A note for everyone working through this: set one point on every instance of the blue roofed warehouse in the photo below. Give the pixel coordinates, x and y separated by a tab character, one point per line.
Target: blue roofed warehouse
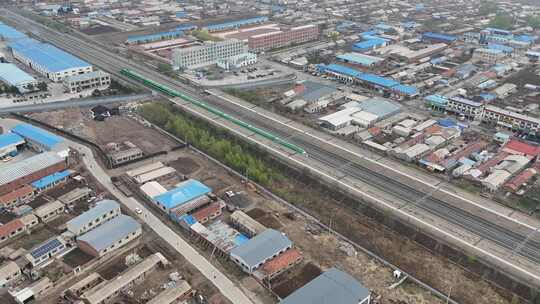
37	138
183	194
47	59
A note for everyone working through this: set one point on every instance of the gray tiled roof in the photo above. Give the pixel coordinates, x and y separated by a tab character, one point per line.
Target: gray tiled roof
331	287
102	207
110	232
261	247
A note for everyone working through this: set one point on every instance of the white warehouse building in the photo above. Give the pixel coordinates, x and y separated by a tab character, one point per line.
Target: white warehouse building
207	54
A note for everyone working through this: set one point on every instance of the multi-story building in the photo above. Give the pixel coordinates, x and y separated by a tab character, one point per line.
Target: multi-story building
9	272
510	120
92	80
238	61
49	211
295	35
207	54
490	56
462	106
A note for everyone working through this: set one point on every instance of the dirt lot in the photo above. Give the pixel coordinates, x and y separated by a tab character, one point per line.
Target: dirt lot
114	129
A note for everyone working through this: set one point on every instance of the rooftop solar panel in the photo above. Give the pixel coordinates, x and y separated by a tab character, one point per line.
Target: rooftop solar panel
45	248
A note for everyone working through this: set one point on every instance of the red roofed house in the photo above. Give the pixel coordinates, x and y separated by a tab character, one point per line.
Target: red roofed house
17	196
11	229
205	214
517	181
521	148
278	265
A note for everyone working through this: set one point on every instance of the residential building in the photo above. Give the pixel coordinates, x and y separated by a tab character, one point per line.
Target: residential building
505	90
92	80
237	61
11	229
263	247
106	291
9	273
29	221
332	286
34	292
207	54
181	291
46	251
11	75
124	156
104	211
462	106
83	285
163	172
109	236
48	60
246	223
209	212
486	55
17	197
50	181
278	39
49	211
75	195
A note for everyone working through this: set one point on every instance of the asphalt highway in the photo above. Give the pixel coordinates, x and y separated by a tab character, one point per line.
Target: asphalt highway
501	233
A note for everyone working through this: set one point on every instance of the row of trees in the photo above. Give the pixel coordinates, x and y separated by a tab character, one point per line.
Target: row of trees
235	154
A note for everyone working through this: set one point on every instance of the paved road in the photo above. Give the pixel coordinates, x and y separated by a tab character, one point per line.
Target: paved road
225	286
86	102
498	228
214	275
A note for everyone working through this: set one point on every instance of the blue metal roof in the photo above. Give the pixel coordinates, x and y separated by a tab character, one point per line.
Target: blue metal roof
438	100
110	232
367	44
368	33
45	248
188	219
240	239
340	69
14	76
48	56
237	23
378	80
438	36
185	27
261	247
9	139
182	194
38	135
9	33
154	37
524	38
405	89
50	179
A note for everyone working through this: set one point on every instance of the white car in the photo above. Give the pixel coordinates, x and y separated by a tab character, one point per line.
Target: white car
138	210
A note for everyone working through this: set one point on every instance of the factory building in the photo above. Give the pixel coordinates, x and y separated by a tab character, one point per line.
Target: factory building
235	24
260	249
92	80
207	54
9	144
47	59
185	197
104	211
36	138
8	33
140	39
11	75
278	39
109	236
438	38
22	173
332	284
359	59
